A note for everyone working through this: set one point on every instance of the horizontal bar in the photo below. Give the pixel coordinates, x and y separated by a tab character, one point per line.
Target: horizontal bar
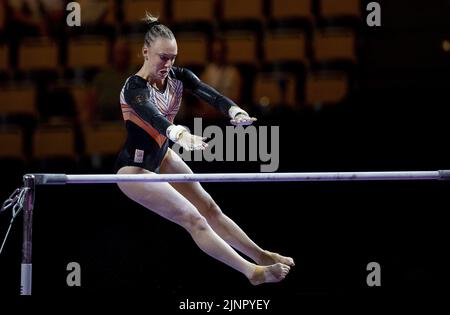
60	179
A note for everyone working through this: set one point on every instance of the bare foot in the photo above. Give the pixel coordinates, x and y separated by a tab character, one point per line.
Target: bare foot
268	258
272	273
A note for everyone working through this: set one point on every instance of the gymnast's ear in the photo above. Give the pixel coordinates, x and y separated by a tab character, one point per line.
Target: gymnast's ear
145	52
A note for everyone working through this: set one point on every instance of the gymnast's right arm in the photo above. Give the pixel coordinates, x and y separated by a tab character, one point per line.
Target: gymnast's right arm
137	96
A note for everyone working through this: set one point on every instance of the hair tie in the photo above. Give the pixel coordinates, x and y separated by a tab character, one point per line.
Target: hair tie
154	23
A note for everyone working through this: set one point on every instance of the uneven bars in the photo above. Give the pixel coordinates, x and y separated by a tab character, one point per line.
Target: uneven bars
31	180
61	179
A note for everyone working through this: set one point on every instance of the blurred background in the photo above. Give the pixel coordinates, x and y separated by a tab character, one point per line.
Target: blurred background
347	97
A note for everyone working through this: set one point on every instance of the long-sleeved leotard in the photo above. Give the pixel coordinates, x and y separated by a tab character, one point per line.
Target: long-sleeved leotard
148	113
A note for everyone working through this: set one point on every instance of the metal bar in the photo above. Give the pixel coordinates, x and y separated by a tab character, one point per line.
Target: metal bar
26	266
60	179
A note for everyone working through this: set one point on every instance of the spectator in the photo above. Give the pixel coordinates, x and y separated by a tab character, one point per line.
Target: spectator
55	103
103	99
55	17
222	76
25	18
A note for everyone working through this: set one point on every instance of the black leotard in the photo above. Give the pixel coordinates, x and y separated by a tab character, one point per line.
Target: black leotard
148	113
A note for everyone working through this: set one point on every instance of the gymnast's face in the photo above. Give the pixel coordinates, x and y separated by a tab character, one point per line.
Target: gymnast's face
160	57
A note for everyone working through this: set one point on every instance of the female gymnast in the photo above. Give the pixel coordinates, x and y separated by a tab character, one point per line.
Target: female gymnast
150	99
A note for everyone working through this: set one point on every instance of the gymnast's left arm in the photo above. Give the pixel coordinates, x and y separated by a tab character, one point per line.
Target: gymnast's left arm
239	117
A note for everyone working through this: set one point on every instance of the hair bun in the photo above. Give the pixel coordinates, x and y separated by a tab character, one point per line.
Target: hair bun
154	23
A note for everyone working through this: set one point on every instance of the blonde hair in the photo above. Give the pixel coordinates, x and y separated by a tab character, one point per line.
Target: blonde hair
155	30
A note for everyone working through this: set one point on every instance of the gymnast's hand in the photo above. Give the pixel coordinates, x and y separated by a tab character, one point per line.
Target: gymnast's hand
184	138
242	119
191	142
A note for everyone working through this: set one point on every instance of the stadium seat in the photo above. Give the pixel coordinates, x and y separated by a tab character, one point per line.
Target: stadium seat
4	57
274	89
242	47
291	9
134	10
11	140
325	88
2	17
332	9
235	10
111	18
87	52
104	138
80	94
18	100
184	11
192	49
334	45
38	54
285	47
54	142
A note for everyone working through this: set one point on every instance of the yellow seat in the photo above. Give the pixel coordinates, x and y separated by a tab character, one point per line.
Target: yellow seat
54	142
334	45
4	57
11	141
136	43
38	54
241	47
95	11
2	17
192	49
80	94
326	88
18	100
104	138
289	9
88	52
242	10
340	8
193	11
134	10
110	18
284	47
268	90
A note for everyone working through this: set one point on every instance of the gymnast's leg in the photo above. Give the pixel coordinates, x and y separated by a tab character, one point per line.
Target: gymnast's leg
164	200
221	224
